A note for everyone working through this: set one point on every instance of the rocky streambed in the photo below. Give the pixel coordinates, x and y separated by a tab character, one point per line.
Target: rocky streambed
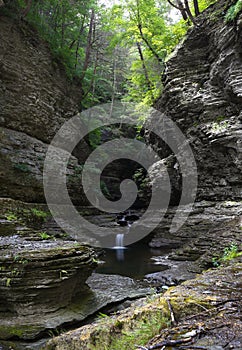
203	313
48	284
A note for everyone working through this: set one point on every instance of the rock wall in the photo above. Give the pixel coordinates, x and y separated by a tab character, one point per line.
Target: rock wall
203	95
36	98
42	276
43	272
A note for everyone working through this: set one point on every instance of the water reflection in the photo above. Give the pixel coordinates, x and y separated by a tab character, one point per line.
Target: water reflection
133	261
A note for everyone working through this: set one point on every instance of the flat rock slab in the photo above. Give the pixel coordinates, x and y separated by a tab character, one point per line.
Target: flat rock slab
114	288
204	312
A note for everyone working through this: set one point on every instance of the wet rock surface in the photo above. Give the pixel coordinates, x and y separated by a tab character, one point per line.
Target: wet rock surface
42	277
210	227
46	277
204	313
114	292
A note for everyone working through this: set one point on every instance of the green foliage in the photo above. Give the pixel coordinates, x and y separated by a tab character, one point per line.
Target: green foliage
233	11
22	167
94	138
203	5
101	315
20	260
11	217
138	334
219	126
8	282
142	181
39	213
220	118
44	235
229	253
74	31
139	176
143	28
104	189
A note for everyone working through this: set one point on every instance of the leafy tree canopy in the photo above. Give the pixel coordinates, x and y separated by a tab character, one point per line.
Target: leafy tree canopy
113	52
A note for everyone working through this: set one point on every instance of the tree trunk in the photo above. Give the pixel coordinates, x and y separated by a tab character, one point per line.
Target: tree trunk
182	9
27	8
78	40
148	83
89	45
140	27
196	8
190	15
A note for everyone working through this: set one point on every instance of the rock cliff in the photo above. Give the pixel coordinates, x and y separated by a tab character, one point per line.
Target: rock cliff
36	98
42	275
203	95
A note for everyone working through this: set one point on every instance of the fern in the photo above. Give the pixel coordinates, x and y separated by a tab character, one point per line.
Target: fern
233	11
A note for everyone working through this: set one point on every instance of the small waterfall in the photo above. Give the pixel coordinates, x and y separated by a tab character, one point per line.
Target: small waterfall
119	241
119	246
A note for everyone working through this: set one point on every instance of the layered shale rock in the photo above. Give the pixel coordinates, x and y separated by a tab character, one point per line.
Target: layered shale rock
40	286
21	168
36	98
42	277
202	313
203	96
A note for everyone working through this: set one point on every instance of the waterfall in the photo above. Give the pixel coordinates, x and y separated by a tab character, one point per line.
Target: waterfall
119	246
119	241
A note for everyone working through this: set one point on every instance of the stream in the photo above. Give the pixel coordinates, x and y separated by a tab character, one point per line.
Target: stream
133	261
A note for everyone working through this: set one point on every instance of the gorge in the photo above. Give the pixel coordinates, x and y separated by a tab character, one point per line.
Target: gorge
52	287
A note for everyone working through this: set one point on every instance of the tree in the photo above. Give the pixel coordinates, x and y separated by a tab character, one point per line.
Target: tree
142	27
184	7
109	52
74	31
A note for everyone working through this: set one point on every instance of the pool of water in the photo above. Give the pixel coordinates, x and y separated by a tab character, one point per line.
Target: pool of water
134	261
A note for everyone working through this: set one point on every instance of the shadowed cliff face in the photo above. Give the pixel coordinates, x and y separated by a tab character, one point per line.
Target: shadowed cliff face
41	279
203	95
36	98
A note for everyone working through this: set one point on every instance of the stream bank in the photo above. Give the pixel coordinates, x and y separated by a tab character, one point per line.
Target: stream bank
204	312
78	297
46	278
